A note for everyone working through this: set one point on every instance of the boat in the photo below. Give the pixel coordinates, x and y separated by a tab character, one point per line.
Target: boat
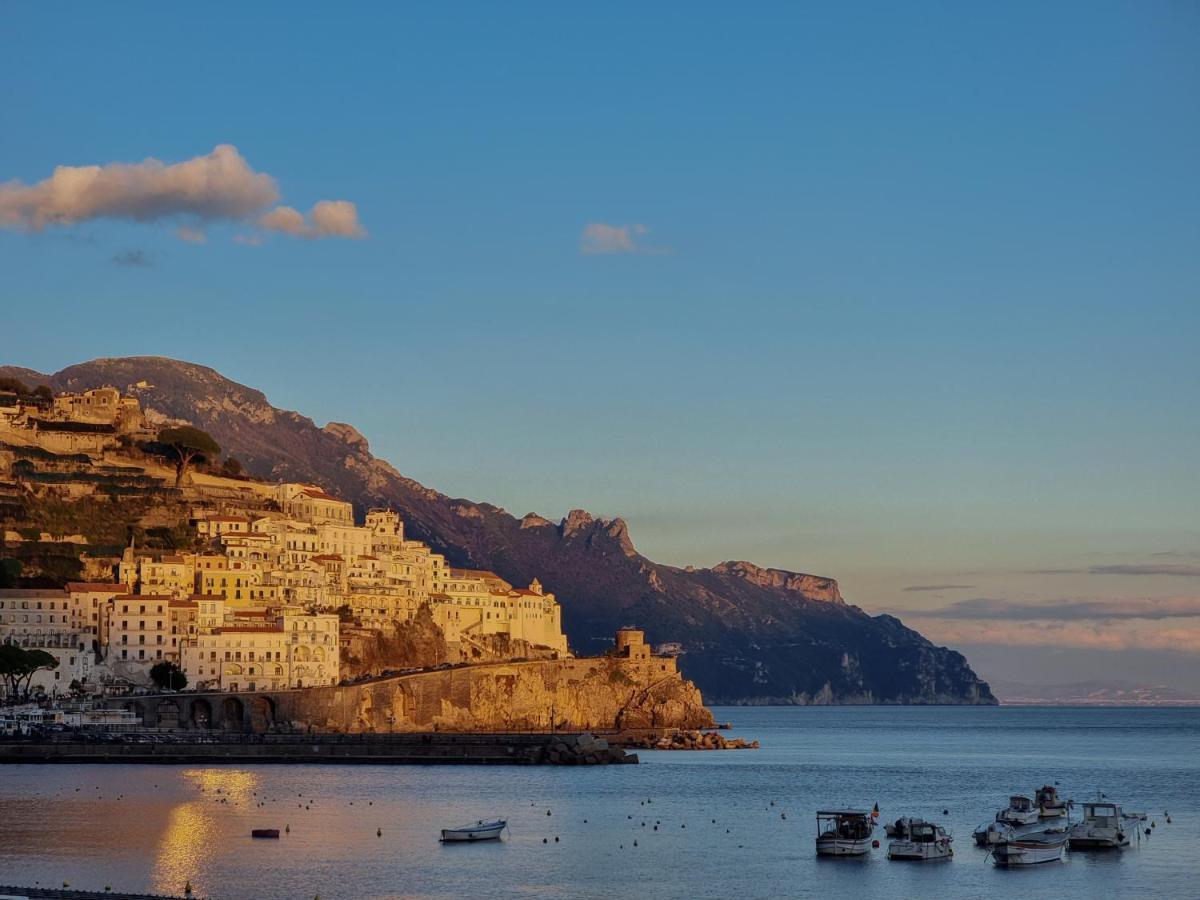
1020	811
1030	849
1102	828
264	832
479	831
897	828
844	832
919	840
1049	805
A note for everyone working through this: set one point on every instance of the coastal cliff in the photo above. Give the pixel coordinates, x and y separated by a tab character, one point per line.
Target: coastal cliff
747	634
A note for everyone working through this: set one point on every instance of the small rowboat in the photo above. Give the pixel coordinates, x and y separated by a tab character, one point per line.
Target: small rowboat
264	832
480	831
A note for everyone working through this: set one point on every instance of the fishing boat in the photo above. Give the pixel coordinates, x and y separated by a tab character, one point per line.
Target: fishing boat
1048	803
844	832
919	840
1102	828
1030	849
264	833
1020	811
479	831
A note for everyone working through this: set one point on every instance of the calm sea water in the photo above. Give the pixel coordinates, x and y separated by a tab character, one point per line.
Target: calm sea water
155	828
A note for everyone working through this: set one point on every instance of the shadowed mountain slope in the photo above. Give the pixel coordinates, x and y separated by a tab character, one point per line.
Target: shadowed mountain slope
749	634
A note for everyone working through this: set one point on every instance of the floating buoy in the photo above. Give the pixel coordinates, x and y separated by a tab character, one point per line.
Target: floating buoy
635	842
945	812
544	841
783	815
556	839
656	829
378	832
287	829
875	844
1147	832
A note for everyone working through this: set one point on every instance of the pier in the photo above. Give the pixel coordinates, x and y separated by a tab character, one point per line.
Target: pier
374	749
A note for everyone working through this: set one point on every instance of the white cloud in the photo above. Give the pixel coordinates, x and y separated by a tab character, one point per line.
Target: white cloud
328	218
599	237
220	186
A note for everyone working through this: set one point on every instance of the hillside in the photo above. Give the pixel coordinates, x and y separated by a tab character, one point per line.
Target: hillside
749	634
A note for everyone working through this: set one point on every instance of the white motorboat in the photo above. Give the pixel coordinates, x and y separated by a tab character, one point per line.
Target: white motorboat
897	828
920	840
844	832
480	831
1030	849
1020	811
1048	803
1102	828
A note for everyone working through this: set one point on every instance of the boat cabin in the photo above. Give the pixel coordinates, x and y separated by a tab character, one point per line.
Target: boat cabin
846	824
1105	815
1020	804
922	832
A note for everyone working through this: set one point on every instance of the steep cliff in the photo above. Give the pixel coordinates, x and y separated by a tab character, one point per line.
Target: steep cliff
749	634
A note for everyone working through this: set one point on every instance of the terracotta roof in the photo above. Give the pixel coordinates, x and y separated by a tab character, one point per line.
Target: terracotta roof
84	587
318	494
144	597
196	598
226	519
250	629
190	604
327	557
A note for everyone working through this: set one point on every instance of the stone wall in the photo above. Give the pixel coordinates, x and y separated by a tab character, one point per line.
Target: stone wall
596	694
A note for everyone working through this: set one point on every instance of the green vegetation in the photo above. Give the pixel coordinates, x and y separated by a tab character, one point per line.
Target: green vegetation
168	676
10	572
18	666
186	445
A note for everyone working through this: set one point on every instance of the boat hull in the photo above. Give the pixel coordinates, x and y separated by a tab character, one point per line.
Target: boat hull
908	851
485	831
1028	852
1098	840
843	846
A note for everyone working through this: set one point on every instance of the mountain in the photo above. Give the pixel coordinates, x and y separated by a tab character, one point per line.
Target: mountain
748	634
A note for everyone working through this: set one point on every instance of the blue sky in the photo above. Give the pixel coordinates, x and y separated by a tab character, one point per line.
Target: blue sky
914	300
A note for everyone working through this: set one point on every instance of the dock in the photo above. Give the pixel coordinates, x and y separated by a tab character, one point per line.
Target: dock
436	748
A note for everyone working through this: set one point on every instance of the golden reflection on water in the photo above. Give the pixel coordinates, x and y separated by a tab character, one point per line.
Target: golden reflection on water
188	840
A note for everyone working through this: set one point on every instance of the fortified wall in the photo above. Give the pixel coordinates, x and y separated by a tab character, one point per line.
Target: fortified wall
618	692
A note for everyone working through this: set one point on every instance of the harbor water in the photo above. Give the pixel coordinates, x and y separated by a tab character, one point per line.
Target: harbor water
682	824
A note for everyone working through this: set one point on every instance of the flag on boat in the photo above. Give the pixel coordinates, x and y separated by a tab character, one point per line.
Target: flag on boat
875	812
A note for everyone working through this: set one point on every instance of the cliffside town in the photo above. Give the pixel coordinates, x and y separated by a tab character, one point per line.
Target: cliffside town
743	633
244	585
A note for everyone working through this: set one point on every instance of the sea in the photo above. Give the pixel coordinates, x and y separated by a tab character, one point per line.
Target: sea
720	824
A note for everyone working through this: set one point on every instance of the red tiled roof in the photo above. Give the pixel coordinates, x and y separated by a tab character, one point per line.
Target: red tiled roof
327	557
85	587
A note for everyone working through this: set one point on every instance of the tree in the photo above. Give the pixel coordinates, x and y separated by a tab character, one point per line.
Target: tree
10	572
18	666
187	445
168	676
232	467
43	392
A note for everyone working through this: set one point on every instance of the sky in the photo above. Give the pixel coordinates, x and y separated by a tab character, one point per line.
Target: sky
903	294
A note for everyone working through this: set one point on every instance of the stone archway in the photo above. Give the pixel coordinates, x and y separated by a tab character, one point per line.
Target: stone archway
202	714
262	714
167	714
138	709
233	714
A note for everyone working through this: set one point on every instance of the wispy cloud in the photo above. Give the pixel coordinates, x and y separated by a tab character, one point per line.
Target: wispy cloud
137	259
1157	623
1182	571
1070	610
601	238
915	588
219	186
191	235
329	218
1111	635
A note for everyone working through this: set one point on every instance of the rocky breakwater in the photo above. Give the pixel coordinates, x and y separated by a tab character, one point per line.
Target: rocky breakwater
586	750
683	740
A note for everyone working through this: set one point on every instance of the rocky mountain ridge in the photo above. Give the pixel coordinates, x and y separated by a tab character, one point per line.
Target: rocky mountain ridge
749	634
